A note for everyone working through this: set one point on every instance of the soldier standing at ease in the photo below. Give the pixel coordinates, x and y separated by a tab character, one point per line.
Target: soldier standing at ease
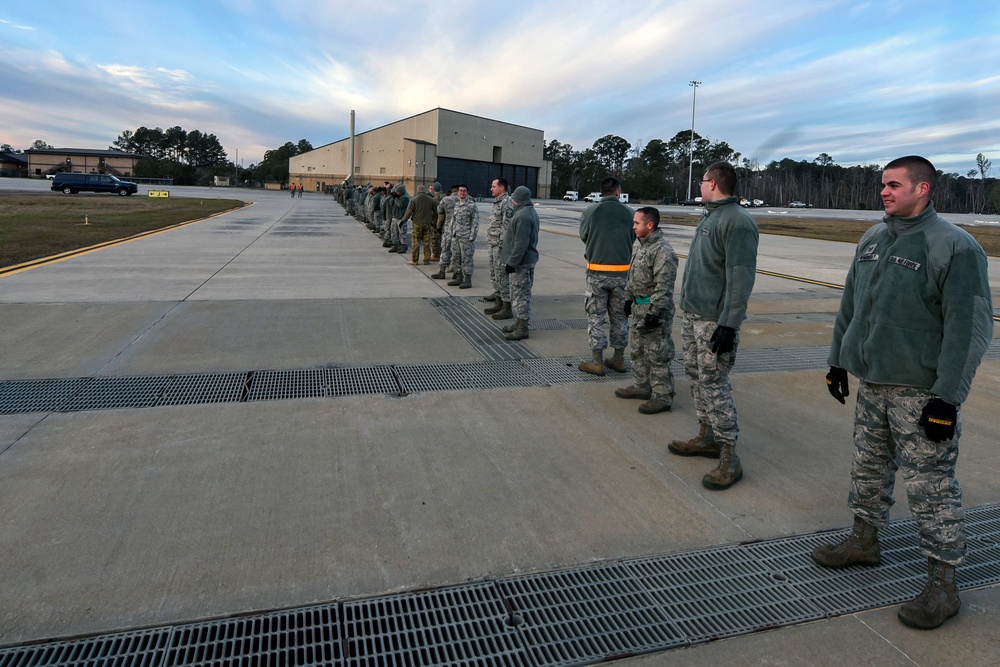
423	211
446	225
915	319
519	256
503	209
607	230
397	233
466	228
718	279
649	304
437	195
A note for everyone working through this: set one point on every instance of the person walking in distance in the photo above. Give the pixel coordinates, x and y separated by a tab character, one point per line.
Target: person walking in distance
915	319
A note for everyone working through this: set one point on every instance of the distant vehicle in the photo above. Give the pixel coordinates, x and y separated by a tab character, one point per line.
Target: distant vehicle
758	202
592	197
50	176
799	204
571	195
691	202
745	202
70	184
623	197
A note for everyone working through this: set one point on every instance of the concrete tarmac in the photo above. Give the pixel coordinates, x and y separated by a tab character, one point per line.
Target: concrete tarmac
128	518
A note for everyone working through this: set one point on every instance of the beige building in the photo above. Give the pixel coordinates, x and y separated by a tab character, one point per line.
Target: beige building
437	145
44	162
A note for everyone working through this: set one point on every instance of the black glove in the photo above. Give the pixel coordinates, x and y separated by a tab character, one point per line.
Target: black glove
836	382
938	419
628	308
651	321
509	269
723	340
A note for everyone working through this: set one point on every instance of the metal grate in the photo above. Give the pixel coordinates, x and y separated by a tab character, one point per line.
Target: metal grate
586	615
371	380
461	625
104	393
204	388
37	395
443	377
278	385
574	616
482	333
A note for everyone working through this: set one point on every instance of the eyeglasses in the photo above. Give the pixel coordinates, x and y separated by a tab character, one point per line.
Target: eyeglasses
707	180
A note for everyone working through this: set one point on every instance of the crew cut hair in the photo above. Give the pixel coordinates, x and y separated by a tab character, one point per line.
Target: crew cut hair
919	168
724	175
650	214
609	185
502	182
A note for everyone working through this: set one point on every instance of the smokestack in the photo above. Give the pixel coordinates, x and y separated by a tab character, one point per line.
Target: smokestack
351	175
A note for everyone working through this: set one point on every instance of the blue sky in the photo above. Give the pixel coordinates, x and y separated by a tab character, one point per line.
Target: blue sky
862	81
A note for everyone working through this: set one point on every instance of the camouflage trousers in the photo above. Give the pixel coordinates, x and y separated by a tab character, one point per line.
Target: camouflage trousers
652	351
604	301
886	438
446	255
501	283
520	291
462	251
421	233
397	233
709	375
378	221
436	238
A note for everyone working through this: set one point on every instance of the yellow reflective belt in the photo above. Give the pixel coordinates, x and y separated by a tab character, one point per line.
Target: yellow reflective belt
607	267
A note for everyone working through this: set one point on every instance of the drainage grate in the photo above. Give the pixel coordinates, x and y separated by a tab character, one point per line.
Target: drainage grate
279	385
586	615
37	395
574	616
482	333
372	380
444	377
461	625
204	388
104	393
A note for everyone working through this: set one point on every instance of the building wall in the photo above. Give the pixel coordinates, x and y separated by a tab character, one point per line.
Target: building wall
412	151
41	164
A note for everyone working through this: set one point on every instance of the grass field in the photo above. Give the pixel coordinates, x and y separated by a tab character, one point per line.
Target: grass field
849	231
41	225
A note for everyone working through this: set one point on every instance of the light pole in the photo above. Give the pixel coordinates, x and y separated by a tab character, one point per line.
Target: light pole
694	97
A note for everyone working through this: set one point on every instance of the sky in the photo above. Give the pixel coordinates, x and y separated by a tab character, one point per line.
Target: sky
864	82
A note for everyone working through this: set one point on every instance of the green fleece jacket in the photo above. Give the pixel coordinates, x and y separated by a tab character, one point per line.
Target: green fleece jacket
916	308
606	229
721	264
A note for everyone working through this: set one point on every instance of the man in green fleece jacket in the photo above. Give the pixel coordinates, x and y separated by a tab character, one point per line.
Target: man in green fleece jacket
606	229
915	319
718	278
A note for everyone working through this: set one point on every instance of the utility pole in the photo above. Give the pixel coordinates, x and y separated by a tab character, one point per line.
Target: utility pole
694	97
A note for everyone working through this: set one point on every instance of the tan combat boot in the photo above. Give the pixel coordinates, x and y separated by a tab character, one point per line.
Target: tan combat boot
728	473
505	312
703	444
520	331
596	365
861	547
616	362
937	602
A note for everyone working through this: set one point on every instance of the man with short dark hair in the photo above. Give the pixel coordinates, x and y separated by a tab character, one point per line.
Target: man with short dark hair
607	230
465	218
503	210
718	279
915	319
649	304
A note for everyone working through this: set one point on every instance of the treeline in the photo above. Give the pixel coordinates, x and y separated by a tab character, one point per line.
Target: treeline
659	171
190	158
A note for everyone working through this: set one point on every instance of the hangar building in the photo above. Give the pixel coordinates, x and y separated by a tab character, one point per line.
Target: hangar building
438	145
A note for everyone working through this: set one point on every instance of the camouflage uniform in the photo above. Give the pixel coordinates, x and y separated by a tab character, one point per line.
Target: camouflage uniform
503	209
446	218
465	222
709	375
604	301
886	432
520	250
651	279
397	230
521	282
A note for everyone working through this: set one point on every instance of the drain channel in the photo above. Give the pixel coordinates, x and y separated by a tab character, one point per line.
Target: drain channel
573	616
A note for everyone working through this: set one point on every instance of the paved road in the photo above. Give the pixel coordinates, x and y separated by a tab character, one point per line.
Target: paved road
126	517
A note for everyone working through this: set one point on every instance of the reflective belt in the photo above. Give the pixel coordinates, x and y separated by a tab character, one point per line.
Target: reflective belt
607	267
642	299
